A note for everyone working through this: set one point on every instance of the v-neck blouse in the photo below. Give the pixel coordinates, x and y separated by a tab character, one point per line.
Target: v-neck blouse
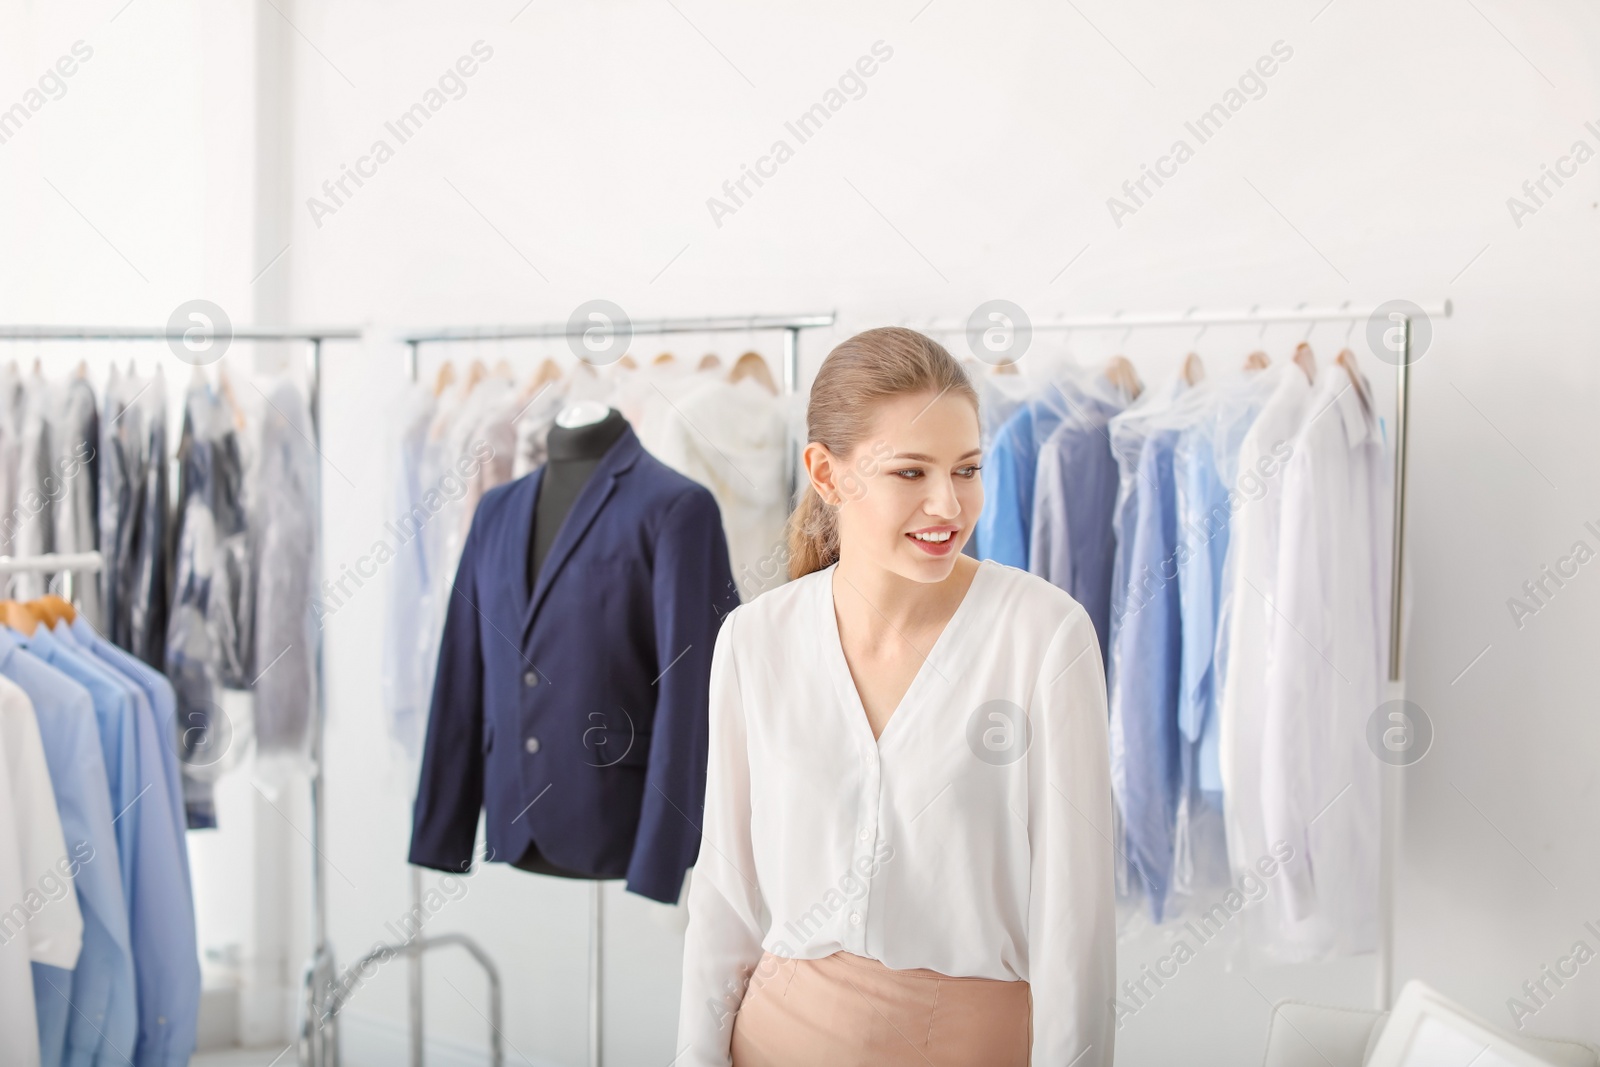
971	838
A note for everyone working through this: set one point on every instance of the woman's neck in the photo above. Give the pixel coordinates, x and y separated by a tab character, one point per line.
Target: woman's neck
879	604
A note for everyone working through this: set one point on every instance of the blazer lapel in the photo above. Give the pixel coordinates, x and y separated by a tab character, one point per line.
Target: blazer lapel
591	498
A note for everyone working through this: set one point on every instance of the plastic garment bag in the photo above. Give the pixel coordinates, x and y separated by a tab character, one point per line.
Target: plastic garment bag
1320	787
133	514
1073	542
406	691
34	532
283	534
209	627
74	436
731	437
1205	507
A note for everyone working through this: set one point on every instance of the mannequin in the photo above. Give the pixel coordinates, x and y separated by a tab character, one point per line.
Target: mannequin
581	436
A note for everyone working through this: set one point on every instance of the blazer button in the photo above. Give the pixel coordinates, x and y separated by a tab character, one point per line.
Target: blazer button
532	744
530	679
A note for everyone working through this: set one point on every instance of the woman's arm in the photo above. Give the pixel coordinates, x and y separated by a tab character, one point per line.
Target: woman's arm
1072	921
727	917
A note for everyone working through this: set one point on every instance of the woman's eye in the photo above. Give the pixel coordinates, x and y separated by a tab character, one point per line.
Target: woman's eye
970	472
909	474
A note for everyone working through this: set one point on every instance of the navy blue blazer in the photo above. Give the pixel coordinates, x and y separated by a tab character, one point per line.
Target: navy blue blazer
577	719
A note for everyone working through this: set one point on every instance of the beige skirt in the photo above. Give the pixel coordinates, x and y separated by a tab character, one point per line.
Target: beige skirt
850	1011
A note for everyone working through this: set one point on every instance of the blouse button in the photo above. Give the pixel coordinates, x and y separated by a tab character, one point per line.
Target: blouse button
855	918
866	835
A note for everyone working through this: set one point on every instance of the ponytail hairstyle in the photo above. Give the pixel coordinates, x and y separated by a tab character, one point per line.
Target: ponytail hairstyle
872	366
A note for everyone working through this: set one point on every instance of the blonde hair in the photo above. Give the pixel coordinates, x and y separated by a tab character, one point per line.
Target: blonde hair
859	373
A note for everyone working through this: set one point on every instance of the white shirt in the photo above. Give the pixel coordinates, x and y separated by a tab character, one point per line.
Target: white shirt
1245	627
41	921
951	842
1325	678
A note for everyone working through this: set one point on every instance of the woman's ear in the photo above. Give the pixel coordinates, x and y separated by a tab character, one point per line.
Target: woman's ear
822	472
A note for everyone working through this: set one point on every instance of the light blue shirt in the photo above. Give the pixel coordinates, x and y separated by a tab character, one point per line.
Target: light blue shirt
1005	526
160	906
100	1023
1146	636
163	705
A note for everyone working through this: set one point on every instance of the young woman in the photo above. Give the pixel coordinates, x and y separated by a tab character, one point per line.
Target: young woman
906	853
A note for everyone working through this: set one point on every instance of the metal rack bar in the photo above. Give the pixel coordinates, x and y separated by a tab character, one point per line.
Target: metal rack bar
642	328
1221	318
791	325
319	1034
67	564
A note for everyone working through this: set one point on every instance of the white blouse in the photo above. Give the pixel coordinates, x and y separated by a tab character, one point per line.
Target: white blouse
971	837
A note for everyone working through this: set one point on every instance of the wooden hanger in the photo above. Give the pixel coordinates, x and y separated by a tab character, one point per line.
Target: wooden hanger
1257	360
18	616
1120	373
751	365
1008	367
663	359
1305	360
446	378
1193	369
549	371
1347	360
51	609
502	369
627	360
709	361
476	373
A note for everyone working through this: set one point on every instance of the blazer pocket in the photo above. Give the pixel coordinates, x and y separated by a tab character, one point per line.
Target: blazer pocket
638	753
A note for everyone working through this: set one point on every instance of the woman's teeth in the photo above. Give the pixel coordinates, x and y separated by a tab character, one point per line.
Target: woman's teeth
936	538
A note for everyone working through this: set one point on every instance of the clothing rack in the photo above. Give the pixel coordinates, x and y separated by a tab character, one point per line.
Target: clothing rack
318	1044
1391	778
66	564
791	325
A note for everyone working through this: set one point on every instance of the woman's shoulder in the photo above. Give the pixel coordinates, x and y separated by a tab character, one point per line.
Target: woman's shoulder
1029	599
779	610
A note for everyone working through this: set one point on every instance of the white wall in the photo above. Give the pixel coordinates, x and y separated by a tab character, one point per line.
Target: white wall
978	163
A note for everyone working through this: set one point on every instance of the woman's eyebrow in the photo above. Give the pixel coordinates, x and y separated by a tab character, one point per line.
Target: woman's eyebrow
919	457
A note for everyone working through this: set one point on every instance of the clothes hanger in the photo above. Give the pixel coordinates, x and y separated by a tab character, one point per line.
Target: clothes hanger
19	616
1305	360
1257	360
1193	369
664	359
51	609
628	361
1120	372
751	365
708	362
445	378
549	371
1347	360
476	373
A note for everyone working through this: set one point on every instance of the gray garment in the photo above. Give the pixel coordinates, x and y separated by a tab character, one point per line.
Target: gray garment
33	532
73	439
10	457
133	514
284	538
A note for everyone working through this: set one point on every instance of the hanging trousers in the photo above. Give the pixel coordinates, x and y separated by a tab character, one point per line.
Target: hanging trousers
850	1011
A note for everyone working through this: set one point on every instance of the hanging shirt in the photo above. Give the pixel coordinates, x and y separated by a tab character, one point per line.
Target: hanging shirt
89	1011
1073	543
1320	788
51	922
1006	522
18	1020
1246	623
161	908
970	837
